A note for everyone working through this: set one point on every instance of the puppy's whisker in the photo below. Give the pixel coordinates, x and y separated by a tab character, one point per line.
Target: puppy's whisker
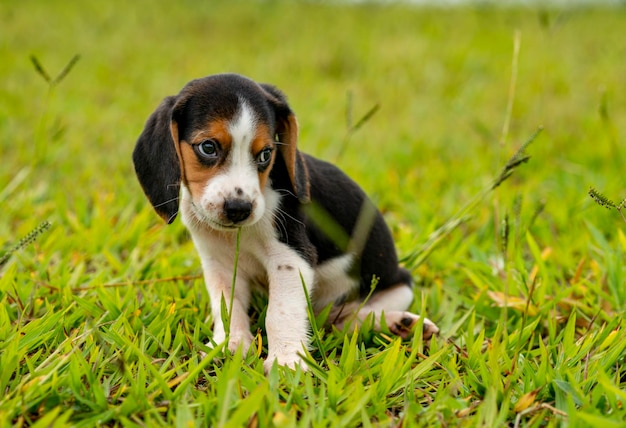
285	192
291	217
172	217
166	202
279	222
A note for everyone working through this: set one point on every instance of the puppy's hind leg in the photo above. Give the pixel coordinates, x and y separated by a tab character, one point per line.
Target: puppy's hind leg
392	303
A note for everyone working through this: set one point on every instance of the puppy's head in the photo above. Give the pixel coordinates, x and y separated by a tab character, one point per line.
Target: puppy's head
219	137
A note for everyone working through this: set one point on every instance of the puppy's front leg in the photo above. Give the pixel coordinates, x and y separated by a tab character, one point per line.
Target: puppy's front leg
287	321
218	282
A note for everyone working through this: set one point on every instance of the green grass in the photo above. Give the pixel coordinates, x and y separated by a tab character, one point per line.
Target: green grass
103	317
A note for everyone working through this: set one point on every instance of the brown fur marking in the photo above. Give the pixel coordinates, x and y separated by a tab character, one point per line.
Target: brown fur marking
194	173
262	139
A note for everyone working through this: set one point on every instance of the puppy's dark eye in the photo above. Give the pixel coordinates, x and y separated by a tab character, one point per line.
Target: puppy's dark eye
207	149
264	157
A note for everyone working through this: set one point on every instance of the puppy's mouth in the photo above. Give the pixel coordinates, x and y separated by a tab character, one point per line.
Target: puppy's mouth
220	226
232	217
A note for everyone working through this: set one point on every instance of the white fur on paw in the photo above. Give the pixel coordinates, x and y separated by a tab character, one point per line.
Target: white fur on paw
292	361
430	329
237	339
403	323
243	339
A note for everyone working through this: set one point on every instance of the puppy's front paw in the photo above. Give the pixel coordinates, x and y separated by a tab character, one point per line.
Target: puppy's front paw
236	339
403	323
244	340
288	360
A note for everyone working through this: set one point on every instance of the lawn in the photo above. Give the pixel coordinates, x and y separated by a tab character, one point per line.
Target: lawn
103	314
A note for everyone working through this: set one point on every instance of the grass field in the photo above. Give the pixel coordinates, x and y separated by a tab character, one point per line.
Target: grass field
103	314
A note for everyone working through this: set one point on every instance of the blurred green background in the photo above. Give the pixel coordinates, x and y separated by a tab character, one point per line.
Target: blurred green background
440	76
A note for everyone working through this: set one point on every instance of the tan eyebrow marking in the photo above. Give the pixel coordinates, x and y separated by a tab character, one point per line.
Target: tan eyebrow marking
195	173
262	139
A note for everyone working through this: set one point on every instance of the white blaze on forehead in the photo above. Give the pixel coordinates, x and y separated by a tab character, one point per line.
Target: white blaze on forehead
242	130
238	178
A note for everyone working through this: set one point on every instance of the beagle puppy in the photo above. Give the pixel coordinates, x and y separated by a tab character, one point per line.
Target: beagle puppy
223	153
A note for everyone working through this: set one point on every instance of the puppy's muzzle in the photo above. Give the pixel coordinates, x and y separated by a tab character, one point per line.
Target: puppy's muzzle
237	210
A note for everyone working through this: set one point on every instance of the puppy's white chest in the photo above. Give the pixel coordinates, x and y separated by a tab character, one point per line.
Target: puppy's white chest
257	244
248	256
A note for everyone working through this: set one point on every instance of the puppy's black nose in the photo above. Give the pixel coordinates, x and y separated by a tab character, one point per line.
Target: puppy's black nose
237	210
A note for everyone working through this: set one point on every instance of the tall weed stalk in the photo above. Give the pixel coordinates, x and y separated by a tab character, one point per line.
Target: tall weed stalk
40	140
419	255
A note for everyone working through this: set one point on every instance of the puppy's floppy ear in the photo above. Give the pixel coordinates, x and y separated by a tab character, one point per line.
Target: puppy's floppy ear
287	133
156	162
